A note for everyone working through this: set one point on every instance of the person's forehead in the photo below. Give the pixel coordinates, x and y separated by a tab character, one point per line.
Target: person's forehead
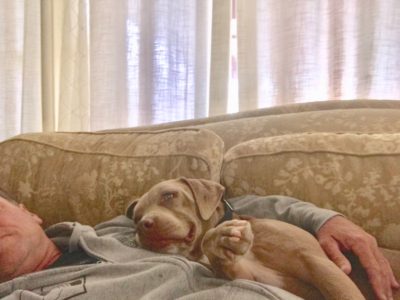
6	203
3	201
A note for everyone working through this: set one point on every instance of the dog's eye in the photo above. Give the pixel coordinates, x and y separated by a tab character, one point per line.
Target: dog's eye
168	196
136	219
136	216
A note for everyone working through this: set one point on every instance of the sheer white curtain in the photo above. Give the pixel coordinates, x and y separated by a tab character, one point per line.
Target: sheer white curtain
149	61
99	64
65	65
128	62
20	74
44	63
303	50
91	65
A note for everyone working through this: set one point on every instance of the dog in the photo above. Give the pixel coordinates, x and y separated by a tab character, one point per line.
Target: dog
181	216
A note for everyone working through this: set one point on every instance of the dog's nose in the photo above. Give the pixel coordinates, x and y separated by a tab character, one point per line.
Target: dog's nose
146	223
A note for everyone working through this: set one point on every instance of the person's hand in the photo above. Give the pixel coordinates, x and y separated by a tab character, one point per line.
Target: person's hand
340	235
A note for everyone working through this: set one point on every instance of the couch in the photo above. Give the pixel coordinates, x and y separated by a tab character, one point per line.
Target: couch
341	155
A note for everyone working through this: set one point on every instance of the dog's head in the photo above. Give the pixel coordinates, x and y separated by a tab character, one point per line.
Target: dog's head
173	215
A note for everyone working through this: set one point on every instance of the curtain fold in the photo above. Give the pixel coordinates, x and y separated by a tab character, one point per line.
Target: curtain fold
220	57
65	65
298	51
20	74
151	58
109	82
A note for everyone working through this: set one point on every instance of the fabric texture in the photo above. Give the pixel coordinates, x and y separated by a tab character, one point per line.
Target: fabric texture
89	177
150	59
77	257
298	51
287	209
20	62
340	120
355	174
66	62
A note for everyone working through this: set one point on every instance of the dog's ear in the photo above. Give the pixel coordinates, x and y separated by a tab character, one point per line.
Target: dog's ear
130	207
206	193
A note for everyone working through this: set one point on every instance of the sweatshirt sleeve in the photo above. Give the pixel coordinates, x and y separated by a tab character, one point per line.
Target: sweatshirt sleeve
302	214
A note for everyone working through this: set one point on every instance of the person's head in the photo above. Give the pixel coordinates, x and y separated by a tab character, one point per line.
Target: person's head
24	246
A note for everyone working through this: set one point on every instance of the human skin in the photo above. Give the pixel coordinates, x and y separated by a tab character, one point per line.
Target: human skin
24	246
340	235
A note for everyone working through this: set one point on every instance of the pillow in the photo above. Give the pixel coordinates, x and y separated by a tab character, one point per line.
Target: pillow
89	177
355	174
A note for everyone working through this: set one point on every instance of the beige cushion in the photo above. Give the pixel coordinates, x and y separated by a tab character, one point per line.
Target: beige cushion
362	120
356	174
89	177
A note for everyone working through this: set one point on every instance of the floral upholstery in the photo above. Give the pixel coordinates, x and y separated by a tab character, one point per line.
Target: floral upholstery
356	174
89	177
336	120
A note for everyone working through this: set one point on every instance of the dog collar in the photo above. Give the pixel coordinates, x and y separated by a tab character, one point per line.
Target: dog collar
228	211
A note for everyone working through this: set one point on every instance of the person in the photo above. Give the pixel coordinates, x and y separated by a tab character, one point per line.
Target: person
74	261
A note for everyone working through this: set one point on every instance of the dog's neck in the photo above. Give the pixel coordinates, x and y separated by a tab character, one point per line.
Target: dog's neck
228	212
224	212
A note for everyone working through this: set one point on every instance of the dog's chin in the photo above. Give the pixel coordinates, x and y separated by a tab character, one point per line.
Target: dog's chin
169	245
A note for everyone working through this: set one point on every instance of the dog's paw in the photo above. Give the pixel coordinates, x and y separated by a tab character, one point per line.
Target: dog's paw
228	241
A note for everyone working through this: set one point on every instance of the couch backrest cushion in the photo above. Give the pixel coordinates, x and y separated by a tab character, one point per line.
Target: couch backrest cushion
89	177
368	120
356	174
291	108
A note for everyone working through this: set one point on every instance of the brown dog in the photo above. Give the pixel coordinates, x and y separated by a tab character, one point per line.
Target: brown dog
181	216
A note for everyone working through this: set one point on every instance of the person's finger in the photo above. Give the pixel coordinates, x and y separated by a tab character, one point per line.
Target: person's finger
387	271
332	249
372	267
394	282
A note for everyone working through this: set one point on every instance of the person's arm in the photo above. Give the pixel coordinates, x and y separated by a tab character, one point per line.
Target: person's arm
335	233
290	210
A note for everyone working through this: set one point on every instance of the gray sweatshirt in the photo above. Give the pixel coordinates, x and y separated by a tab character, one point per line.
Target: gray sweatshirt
124	271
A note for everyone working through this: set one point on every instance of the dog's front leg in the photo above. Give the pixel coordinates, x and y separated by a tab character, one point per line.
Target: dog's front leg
226	246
